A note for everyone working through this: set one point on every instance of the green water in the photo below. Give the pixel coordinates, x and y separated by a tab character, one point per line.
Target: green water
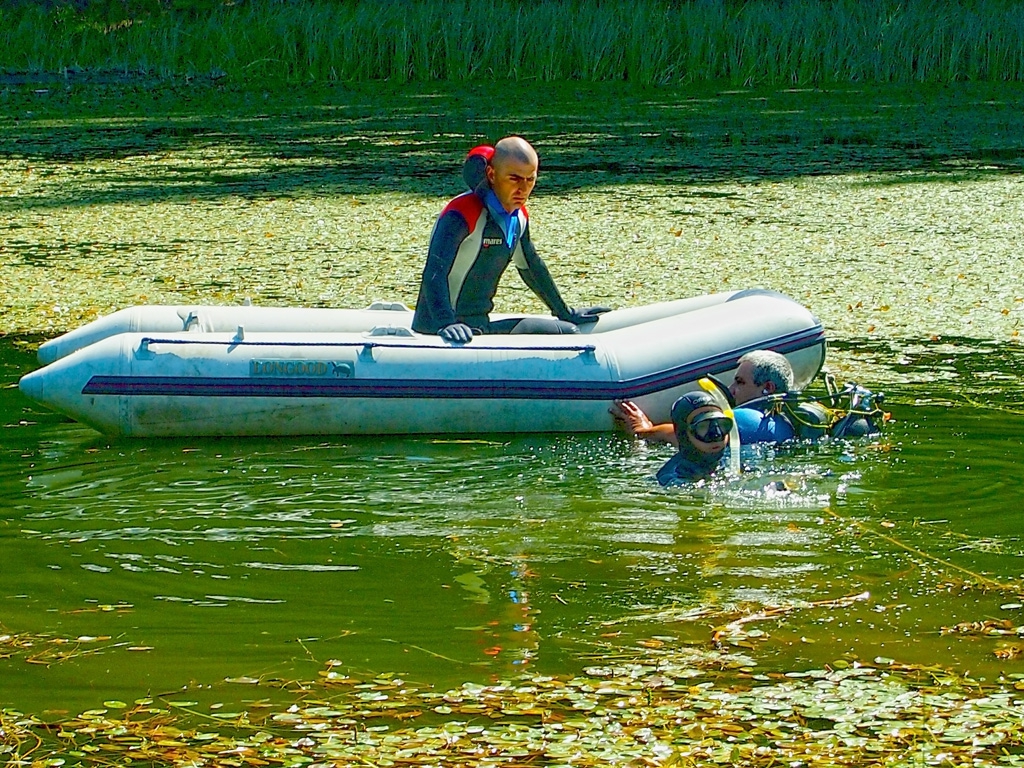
444	561
192	569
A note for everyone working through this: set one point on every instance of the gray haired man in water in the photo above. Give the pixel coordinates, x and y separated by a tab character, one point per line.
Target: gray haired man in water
759	375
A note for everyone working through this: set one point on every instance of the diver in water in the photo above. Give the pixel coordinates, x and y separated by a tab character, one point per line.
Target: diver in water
702	435
761	377
769	411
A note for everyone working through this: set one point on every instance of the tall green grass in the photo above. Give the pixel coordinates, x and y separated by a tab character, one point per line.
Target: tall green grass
644	41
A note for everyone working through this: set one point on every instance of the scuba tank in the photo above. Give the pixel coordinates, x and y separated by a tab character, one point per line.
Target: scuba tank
852	411
862	413
810	420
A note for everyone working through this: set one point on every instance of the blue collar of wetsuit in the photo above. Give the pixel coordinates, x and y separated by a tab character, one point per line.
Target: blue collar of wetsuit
509	222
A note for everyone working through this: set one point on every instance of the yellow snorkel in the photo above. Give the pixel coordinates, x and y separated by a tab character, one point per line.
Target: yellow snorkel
715	389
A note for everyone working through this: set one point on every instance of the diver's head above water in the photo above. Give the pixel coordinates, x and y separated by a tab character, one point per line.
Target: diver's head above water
702	429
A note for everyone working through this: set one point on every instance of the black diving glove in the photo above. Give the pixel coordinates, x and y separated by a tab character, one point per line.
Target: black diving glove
456	333
585	316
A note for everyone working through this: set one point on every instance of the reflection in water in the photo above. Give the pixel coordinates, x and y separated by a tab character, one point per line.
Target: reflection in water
448	560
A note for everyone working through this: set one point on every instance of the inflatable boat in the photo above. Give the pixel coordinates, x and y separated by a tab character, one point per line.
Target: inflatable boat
217	371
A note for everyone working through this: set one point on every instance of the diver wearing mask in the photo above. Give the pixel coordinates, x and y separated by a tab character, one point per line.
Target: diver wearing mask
702	430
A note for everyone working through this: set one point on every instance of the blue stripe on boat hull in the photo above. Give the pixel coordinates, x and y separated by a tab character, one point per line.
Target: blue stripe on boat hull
182	386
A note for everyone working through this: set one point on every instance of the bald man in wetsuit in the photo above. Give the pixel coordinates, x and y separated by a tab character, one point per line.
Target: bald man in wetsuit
476	237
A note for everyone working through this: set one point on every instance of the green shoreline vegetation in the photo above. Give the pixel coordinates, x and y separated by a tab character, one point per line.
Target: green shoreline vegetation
646	42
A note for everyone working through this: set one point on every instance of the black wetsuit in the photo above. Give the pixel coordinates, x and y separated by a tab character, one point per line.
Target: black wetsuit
472	244
688	467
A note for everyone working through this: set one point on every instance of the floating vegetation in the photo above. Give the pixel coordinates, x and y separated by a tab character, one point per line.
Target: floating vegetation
892	213
679	708
986	627
326	198
1001	628
46	649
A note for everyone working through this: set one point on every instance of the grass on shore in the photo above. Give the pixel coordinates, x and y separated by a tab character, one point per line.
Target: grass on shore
648	42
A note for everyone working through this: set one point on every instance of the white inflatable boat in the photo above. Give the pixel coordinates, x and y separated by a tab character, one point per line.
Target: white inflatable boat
190	371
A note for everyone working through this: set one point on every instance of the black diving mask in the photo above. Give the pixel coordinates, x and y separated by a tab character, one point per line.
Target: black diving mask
711	427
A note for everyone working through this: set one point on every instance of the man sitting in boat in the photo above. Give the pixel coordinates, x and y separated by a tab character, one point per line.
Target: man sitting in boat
475	238
759	378
701	431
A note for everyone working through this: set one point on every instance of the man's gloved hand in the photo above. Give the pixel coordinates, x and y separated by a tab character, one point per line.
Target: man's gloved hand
456	333
584	316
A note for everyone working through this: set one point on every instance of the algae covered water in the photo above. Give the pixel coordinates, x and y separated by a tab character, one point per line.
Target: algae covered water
133	567
296	599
